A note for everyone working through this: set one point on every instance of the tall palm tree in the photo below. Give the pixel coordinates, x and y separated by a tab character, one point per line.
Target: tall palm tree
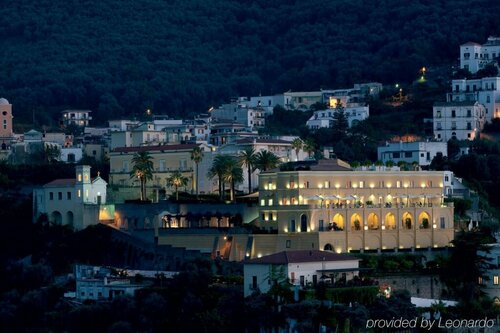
266	160
219	165
197	157
309	147
233	174
297	145
177	180
143	169
247	159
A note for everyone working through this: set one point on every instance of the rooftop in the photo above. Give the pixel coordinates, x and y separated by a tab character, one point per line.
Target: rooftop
288	257
464	103
471	44
320	165
251	140
155	148
61	183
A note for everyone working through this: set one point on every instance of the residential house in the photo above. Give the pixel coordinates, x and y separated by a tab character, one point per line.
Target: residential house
239	112
301	100
474	56
459	120
485	91
422	152
299	268
354	112
79	118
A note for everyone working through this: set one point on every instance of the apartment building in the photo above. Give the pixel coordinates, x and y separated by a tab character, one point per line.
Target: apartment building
459	120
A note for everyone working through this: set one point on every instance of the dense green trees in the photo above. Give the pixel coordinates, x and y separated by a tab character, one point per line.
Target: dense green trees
121	57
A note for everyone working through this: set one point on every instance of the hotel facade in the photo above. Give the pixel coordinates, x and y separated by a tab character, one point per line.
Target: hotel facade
337	209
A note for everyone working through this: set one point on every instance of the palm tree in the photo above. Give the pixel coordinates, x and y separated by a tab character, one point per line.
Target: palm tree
309	147
177	180
297	145
247	159
233	174
142	169
196	157
266	160
218	168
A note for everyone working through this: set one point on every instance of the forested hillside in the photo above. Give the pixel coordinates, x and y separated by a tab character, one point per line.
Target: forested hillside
119	57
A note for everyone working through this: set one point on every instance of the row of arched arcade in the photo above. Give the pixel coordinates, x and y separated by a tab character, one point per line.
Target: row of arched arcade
373	221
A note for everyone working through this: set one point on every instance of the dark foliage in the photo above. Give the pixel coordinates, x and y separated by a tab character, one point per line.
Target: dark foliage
176	57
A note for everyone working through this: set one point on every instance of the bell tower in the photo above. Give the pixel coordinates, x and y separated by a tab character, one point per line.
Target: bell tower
6	132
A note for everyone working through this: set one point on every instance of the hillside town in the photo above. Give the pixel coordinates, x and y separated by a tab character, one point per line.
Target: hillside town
290	213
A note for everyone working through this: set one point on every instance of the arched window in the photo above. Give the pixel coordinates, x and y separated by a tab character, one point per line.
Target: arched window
337	223
373	221
424	221
56	217
390	221
328	247
70	218
356	222
407	221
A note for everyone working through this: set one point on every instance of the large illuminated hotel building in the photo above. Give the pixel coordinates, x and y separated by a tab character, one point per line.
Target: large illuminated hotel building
328	206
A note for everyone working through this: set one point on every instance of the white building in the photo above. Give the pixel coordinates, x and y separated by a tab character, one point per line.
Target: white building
122	124
142	135
240	112
485	91
299	268
71	154
75	117
266	102
74	202
422	152
301	100
355	112
460	120
474	56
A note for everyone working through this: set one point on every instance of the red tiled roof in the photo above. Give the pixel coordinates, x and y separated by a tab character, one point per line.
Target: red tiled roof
155	148
287	257
61	182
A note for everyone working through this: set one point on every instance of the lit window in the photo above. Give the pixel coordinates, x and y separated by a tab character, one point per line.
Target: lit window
495	280
87	193
270	202
79	177
262	202
79	193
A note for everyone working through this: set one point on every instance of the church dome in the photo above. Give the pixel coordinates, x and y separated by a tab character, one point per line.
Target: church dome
3	101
